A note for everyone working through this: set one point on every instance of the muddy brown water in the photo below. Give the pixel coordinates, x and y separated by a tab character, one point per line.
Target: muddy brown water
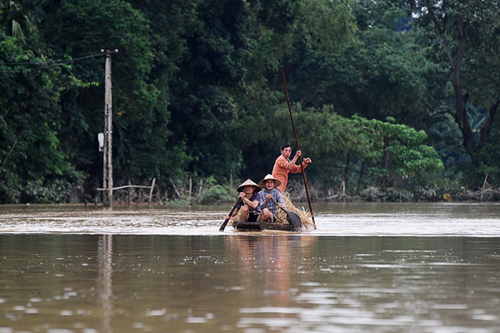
366	268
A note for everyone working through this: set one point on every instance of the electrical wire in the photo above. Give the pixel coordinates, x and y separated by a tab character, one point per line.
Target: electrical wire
46	64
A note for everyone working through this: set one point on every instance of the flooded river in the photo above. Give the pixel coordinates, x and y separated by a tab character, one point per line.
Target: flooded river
366	268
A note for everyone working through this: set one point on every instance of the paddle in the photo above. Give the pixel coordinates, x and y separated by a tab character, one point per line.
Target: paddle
292	217
223	226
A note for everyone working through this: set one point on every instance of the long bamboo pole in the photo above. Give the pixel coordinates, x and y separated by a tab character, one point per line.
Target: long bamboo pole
298	148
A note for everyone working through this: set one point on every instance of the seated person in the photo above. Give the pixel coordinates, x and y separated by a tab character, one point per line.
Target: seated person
250	203
271	199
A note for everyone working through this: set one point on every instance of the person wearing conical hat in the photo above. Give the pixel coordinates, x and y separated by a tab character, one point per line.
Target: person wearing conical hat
283	165
270	199
250	203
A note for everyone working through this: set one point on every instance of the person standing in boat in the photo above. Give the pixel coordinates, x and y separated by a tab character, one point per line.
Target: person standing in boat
270	199
283	165
250	201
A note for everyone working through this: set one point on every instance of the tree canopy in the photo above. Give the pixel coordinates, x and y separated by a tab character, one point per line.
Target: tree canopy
394	95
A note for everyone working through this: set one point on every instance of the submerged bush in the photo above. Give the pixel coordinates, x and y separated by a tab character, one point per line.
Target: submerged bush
215	193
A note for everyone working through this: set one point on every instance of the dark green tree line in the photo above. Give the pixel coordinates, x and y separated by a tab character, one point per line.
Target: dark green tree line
33	167
197	92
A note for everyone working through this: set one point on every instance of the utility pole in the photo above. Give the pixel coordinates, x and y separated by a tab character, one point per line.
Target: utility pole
107	175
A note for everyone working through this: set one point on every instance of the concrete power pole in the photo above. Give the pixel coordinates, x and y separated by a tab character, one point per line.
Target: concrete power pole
107	175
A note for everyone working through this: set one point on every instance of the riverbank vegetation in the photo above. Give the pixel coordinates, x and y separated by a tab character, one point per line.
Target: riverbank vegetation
393	100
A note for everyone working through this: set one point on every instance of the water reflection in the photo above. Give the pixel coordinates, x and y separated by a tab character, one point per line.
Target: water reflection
105	260
248	282
269	279
265	263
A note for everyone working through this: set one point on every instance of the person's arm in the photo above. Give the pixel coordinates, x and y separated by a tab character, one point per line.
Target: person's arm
306	162
253	204
281	163
297	168
291	165
263	201
234	214
279	199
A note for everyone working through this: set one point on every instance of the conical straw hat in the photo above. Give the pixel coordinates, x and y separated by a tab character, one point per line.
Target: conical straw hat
262	183
248	182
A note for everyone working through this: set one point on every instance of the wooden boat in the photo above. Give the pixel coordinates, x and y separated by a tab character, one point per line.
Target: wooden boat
289	221
259	226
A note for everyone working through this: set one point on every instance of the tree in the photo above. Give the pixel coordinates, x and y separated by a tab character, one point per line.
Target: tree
298	36
79	30
356	151
383	72
464	36
33	168
17	16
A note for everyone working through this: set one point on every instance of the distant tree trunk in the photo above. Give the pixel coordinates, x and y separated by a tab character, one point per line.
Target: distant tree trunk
346	170
190	186
200	189
361	173
385	181
8	154
486	128
460	113
151	191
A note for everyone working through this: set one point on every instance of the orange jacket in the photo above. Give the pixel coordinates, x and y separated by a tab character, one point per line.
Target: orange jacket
280	171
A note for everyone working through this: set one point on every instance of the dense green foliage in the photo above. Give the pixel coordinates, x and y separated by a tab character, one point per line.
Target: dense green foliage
395	97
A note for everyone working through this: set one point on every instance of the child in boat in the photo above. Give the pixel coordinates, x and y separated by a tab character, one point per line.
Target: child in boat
250	203
270	199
